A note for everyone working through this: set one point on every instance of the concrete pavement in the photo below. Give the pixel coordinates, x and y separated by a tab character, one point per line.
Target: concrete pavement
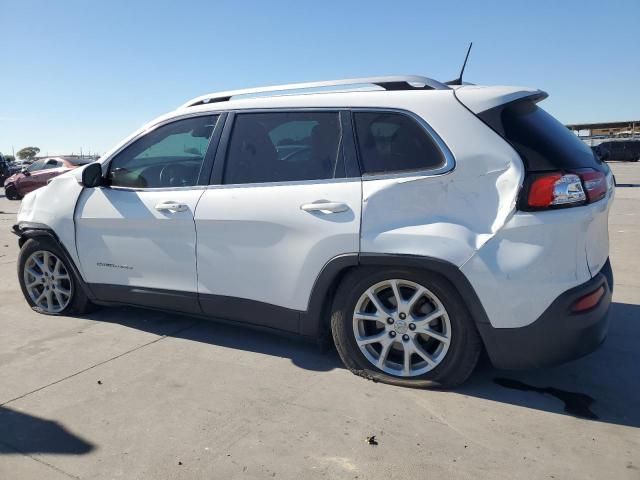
134	394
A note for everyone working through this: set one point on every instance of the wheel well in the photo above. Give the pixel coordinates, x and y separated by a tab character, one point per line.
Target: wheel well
35	233
316	321
29	233
325	313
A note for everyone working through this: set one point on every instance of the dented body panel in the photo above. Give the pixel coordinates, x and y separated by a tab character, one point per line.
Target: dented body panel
448	216
52	207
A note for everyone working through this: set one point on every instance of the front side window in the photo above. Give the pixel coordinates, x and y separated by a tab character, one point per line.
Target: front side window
169	156
394	142
283	147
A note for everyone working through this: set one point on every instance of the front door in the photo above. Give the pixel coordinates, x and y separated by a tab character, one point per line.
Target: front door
136	236
285	206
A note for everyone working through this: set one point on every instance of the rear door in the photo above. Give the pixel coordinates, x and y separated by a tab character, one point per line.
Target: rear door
136	236
286	200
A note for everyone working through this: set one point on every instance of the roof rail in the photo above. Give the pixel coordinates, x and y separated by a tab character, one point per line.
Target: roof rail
395	82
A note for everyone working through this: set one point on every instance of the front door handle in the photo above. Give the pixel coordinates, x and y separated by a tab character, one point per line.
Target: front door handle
325	207
172	207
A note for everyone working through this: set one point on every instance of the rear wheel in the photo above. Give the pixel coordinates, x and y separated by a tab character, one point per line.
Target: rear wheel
48	282
404	327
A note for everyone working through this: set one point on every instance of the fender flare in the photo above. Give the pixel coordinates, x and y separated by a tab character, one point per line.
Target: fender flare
26	231
315	321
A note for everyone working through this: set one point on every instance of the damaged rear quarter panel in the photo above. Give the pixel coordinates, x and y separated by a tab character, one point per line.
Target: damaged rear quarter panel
448	216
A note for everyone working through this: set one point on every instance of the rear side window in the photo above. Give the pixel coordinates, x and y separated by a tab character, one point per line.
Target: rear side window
394	142
284	147
541	140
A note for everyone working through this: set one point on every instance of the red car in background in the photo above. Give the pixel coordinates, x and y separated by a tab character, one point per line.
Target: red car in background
38	174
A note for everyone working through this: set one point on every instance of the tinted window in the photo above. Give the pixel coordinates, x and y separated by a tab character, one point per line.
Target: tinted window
52	164
542	141
393	142
283	146
169	156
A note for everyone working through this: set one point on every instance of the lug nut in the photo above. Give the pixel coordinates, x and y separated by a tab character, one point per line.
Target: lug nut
412	326
403	316
405	337
389	320
392	334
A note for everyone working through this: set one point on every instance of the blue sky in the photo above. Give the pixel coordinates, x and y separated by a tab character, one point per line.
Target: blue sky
84	74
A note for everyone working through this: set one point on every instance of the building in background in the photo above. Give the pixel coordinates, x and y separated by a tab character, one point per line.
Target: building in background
594	133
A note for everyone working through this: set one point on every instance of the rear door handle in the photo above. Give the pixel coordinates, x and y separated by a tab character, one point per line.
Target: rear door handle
325	207
172	207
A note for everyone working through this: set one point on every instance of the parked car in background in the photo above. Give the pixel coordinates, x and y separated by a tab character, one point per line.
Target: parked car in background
37	175
5	169
622	150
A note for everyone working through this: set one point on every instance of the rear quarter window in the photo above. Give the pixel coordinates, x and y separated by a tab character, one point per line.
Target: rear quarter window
542	141
394	142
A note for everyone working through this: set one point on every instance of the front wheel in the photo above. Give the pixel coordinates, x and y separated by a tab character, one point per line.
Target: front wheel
48	282
404	327
11	192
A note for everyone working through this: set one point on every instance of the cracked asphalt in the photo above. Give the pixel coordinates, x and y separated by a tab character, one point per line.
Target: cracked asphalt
135	394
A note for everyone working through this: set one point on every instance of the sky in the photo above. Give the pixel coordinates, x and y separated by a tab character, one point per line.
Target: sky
85	74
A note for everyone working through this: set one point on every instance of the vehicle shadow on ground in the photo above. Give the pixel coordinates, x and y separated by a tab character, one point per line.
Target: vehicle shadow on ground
307	355
602	386
25	434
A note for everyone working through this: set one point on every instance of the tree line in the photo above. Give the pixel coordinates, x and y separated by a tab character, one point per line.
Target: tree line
26	153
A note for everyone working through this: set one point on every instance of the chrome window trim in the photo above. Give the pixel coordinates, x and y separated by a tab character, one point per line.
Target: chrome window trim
285	183
449	158
158	189
448	166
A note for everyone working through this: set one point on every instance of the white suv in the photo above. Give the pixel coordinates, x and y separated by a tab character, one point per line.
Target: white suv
415	222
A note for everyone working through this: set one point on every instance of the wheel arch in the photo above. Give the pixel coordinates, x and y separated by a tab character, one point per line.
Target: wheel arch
26	231
316	322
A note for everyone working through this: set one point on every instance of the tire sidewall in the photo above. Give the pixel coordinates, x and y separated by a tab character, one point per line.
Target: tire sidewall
463	331
11	192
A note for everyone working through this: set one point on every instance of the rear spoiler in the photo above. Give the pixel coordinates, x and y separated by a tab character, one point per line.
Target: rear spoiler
479	99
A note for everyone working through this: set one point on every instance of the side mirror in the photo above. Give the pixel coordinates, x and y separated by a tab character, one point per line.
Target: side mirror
25	171
92	175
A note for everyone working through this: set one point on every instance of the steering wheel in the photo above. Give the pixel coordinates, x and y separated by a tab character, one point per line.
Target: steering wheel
173	176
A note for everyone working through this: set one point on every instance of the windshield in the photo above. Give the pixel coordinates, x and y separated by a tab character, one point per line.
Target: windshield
37	165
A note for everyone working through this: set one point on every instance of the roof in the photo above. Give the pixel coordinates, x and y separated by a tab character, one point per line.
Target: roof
356	92
393	82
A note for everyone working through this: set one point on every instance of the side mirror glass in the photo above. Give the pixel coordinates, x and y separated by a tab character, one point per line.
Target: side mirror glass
92	175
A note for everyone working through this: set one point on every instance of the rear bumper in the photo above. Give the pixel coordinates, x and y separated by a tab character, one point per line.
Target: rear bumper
558	335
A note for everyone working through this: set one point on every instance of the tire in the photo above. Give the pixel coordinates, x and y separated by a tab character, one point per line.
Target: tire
58	285
12	193
453	344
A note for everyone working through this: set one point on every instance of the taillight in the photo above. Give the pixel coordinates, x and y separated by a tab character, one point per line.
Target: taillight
595	184
588	301
556	189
